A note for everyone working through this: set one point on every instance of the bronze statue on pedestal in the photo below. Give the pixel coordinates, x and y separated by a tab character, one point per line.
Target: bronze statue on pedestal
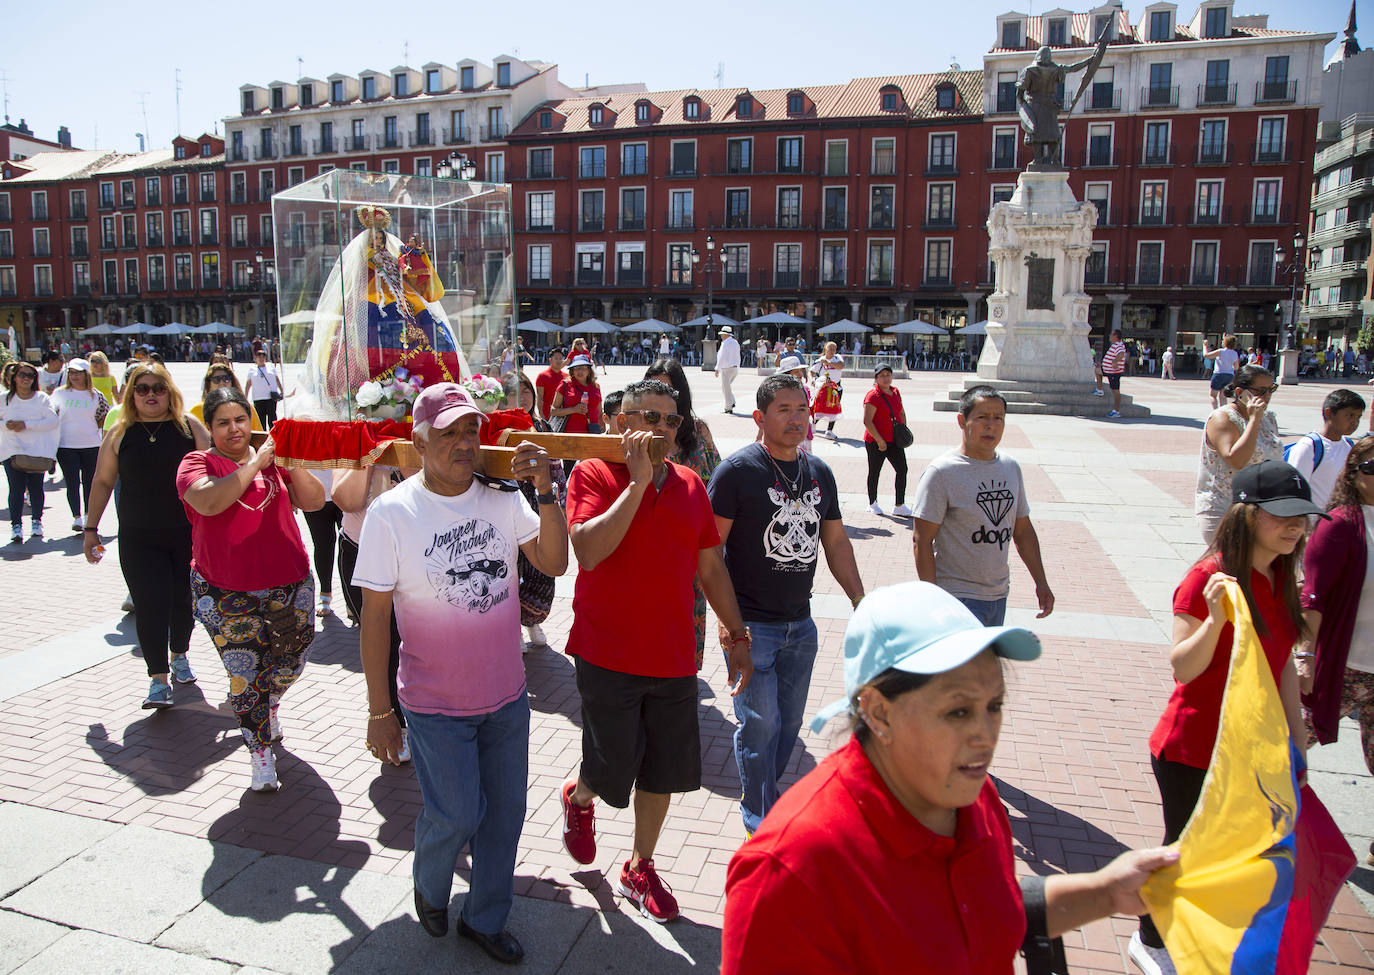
1038	104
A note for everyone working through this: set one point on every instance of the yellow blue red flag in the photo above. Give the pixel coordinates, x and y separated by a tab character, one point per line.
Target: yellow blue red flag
1223	906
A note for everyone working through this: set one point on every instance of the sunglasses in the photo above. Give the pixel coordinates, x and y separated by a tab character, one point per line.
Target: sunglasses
1262	390
143	389
653	418
25	374
222	379
1365	467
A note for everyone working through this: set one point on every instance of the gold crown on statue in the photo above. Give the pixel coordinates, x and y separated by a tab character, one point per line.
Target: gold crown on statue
373	217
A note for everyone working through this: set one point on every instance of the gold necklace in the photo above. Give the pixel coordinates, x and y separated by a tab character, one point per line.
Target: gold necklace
152	436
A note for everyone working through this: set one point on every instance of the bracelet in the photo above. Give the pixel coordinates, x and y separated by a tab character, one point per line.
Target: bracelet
385	714
854	603
746	638
1303	656
88	528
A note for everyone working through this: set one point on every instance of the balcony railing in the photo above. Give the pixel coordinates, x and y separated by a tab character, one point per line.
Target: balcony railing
1275	92
181	284
81	290
79	212
1098	157
540	172
1160	96
834	220
1107	216
129	242
881	221
126	203
942	167
1003	160
6	250
209	239
44	291
207	196
153	200
939	221
1271	152
294	149
181	199
587	278
1157	155
237	154
357	143
1162	217
1266	214
630	279
458	137
265	152
42	250
1103	98
680	223
1214	154
681	172
389	140
324	146
1209	95
157	284
589	225
422	138
105	205
5	212
632	223
494	133
786	279
181	239
1209	216
108	244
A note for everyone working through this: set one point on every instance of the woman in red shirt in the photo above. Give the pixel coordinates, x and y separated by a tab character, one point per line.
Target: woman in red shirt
882	410
894	854
578	399
1258	545
250	576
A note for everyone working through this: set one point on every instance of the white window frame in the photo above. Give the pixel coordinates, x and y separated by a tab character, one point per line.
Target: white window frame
630	247
696	155
548	279
620	205
825	164
873	155
868	257
1163	250
925	259
801	257
604	166
825	242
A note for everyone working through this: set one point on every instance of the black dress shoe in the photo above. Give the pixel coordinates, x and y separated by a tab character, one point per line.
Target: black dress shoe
433	919
502	946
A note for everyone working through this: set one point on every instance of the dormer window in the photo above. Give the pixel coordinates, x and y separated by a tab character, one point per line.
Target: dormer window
432	81
1214	24
1161	25
546	120
400	84
691	108
597	114
336	91
465	78
179	152
248	103
503	75
307	95
278	98
1057	32
1011	35
206	150
744	106
889	101
369	88
1104	22
796	103
642	112
944	97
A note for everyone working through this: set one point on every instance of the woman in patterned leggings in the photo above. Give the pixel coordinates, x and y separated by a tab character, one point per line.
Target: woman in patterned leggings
256	600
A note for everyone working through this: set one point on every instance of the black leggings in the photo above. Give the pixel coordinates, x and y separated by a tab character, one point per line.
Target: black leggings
895	456
267	412
21	482
1179	788
78	470
353	598
324	529
157	570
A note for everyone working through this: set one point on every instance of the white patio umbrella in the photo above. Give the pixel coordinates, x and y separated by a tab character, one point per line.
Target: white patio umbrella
539	326
651	326
916	326
594	326
715	321
217	328
977	328
845	326
171	328
137	328
101	329
777	318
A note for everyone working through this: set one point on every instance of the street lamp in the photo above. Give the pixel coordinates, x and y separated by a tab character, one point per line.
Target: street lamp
710	280
456	166
262	294
1299	241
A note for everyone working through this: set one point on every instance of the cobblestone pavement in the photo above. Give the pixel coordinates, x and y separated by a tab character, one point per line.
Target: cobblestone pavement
132	833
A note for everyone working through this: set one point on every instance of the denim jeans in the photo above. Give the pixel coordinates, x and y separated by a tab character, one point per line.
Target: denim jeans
473	773
990	612
770	711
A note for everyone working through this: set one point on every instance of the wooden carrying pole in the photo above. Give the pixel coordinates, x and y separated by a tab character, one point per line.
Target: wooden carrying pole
496	461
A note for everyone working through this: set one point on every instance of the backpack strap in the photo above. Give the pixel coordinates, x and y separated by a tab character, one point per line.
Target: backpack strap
1318	450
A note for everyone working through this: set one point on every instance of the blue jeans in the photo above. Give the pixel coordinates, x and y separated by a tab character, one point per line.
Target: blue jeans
473	774
770	711
990	612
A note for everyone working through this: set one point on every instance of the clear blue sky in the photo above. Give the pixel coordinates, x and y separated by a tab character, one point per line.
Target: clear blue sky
86	65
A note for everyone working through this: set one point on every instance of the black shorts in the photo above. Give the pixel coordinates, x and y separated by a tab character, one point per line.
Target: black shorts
1114	380
637	732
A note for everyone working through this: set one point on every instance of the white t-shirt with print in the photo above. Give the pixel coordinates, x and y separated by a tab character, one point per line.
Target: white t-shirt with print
450	564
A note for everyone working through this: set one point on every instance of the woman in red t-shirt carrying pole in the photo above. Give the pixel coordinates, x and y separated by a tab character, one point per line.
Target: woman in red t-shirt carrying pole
250	577
883	410
1258	546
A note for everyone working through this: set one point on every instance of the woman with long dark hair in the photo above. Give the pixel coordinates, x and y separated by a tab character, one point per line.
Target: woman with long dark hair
1258	546
28	432
142	451
1238	434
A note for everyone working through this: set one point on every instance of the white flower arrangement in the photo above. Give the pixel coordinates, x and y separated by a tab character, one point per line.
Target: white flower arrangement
369	394
484	389
393	397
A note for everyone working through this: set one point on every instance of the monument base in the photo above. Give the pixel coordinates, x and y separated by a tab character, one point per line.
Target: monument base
1049	398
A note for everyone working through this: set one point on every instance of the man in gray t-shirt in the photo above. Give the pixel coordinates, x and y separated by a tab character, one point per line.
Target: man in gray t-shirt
970	509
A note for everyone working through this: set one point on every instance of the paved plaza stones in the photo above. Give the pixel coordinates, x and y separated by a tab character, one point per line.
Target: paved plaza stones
129	840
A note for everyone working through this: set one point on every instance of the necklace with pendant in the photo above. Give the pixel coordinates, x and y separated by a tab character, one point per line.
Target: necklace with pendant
792	487
152	434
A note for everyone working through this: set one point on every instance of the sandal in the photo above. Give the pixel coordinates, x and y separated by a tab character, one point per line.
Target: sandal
324	609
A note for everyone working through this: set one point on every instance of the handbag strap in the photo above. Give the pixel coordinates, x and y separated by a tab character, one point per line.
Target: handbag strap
1044	955
890	410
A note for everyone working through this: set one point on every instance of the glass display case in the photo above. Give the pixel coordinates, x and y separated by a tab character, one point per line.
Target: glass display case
385	276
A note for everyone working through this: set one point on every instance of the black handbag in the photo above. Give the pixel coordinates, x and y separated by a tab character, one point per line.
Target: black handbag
901	433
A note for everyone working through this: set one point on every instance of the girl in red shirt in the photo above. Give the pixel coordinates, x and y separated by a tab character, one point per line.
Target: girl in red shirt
882	411
1258	545
578	398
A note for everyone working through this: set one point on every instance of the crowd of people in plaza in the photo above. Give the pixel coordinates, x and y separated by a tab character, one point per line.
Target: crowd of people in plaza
659	539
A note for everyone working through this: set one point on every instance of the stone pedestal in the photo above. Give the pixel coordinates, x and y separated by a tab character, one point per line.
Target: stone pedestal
1288	367
1037	347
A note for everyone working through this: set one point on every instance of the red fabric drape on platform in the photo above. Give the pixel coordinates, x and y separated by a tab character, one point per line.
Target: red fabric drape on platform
325	443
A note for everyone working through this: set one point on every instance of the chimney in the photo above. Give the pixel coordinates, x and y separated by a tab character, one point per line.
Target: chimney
24	128
64	136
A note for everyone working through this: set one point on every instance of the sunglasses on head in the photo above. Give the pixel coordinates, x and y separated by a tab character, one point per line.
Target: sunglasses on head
143	389
654	417
223	378
1365	467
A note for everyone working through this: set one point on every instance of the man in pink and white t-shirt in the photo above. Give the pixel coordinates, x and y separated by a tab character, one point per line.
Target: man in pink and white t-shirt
1113	365
441	548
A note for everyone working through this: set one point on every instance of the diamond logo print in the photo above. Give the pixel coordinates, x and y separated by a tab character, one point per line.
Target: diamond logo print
995	500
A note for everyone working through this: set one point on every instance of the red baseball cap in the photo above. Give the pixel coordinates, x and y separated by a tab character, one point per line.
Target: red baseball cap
441	404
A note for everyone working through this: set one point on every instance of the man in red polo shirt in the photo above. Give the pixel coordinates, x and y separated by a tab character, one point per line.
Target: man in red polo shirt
548	381
640	532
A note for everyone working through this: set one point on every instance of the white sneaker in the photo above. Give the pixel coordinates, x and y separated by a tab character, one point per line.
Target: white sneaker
264	769
1151	961
274	721
16	533
1098	392
876	508
78	525
36	529
536	635
404	755
902	511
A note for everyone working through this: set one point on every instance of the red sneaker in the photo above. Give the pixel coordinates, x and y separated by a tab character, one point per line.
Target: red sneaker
579	827
643	886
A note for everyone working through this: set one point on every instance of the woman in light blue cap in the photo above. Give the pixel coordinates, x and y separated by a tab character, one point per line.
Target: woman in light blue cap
894	855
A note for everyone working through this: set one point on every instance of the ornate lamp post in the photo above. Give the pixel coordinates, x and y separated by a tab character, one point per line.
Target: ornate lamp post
456	166
1292	268
262	292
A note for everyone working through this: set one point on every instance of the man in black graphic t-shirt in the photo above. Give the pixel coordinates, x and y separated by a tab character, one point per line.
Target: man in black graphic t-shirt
776	509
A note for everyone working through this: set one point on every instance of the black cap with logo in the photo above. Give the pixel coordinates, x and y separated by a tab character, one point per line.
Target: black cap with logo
1275	487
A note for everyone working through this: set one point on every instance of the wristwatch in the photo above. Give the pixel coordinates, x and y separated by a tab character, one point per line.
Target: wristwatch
550	497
